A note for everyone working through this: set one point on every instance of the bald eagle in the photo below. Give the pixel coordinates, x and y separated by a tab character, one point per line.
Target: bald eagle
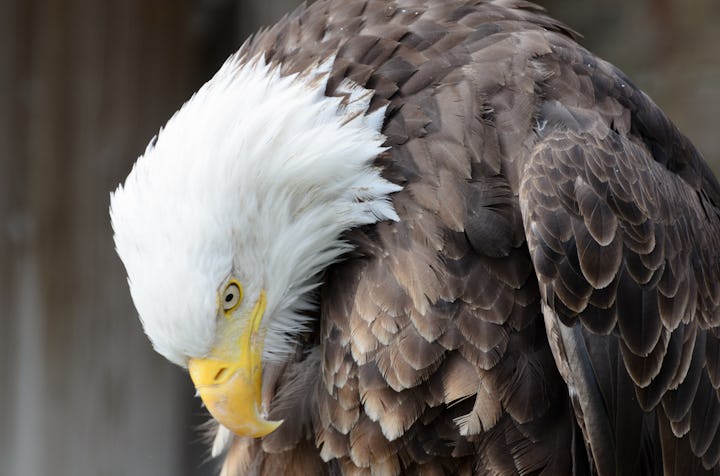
413	237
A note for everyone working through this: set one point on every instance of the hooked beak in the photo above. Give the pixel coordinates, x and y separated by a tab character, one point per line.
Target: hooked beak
231	388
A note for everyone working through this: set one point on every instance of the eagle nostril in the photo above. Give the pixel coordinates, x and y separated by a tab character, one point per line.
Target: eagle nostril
220	374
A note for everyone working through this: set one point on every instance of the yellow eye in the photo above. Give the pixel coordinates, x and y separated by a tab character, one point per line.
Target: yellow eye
232	296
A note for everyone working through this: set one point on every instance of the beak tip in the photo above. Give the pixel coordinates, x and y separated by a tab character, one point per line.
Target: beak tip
268	426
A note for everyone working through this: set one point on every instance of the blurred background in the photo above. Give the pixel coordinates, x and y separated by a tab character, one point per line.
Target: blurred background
84	84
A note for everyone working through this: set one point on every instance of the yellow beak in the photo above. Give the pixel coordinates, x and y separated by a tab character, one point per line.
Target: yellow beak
232	388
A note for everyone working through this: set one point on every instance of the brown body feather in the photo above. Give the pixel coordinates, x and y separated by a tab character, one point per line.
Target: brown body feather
548	301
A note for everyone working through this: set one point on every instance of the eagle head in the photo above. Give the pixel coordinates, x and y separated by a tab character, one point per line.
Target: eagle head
228	219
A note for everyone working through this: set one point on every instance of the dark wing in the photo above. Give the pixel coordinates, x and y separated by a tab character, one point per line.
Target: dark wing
623	226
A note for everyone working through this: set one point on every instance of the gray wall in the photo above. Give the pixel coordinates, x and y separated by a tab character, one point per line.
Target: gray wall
84	84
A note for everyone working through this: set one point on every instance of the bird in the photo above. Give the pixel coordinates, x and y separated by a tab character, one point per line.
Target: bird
423	237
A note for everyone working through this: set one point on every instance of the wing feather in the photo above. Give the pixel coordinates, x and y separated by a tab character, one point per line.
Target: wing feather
613	228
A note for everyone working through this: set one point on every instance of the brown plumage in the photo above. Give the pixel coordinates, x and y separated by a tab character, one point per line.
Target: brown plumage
548	301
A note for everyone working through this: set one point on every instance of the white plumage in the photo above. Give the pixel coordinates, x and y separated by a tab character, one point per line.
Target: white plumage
255	178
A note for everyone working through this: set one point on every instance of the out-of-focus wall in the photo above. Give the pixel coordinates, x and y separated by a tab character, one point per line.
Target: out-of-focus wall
84	84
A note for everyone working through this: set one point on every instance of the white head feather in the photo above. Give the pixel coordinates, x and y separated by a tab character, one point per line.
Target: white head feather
256	177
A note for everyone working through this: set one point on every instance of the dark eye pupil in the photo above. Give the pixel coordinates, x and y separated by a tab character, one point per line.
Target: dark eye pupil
229	297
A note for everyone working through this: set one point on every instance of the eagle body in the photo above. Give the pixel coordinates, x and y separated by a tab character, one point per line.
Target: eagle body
478	248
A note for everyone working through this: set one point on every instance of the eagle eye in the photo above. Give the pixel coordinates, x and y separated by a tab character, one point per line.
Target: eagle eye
232	296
